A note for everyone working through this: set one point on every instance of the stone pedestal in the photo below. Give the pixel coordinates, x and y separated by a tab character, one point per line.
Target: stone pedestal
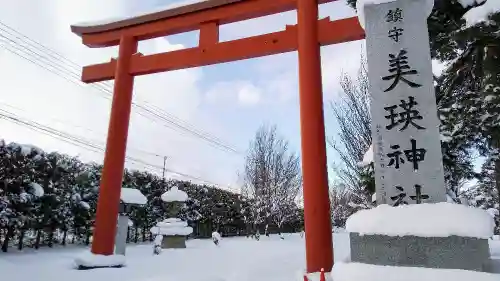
173	242
452	252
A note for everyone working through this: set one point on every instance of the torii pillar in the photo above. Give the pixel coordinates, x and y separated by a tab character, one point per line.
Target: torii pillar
306	37
317	219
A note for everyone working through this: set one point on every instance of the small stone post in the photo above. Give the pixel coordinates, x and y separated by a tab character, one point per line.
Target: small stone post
128	198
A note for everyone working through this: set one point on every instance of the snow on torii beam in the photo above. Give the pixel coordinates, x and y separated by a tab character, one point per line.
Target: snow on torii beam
181	19
207	16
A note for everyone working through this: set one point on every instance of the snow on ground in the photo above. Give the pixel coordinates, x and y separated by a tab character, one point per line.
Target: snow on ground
237	259
87	259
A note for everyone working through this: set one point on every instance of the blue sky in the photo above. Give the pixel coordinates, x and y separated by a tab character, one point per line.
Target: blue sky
229	101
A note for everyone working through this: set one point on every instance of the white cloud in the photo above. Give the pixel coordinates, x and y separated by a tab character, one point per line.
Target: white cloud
249	94
278	75
240	92
338	59
186	94
43	96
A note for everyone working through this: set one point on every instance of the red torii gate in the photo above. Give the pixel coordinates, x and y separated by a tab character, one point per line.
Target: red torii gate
306	37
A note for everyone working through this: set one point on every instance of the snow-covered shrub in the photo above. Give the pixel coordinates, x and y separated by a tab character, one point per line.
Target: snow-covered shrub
216	238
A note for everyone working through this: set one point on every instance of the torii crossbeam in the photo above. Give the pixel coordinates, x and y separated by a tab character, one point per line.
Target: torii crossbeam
207	16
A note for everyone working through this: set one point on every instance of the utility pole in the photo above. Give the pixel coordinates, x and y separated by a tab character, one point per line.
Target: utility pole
164	166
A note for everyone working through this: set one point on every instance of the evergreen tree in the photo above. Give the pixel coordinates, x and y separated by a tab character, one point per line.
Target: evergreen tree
52	197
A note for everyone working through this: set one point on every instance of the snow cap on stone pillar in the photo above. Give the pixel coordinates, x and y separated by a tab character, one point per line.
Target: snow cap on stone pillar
131	197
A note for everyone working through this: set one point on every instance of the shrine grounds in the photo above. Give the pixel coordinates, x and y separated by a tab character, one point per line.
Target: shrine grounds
235	259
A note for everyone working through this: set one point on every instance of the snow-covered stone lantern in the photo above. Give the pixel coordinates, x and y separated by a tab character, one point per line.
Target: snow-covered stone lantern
173	230
128	197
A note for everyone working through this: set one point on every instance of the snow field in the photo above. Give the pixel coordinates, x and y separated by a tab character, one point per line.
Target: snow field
237	259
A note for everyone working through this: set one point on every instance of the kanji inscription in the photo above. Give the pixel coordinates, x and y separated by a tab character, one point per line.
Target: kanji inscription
412	155
407	149
401	197
395	33
395	15
399	68
407	115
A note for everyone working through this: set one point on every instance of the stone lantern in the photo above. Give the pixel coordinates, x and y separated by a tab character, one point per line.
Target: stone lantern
173	229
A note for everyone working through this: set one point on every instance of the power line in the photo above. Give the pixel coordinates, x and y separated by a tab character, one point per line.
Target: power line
54	62
89	145
84	143
89	130
169	119
84	128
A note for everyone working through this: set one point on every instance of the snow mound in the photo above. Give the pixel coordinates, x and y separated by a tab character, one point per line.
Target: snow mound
493	212
360	7
158	240
216	236
467	3
367	158
85	205
92	260
480	14
368	272
36	189
174	195
424	220
132	196
26	149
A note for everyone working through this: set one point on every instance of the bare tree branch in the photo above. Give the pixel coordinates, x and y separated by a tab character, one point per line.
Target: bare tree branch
352	113
272	177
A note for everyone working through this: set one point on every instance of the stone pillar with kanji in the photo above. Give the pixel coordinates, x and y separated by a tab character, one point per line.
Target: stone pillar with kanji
405	128
409	177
